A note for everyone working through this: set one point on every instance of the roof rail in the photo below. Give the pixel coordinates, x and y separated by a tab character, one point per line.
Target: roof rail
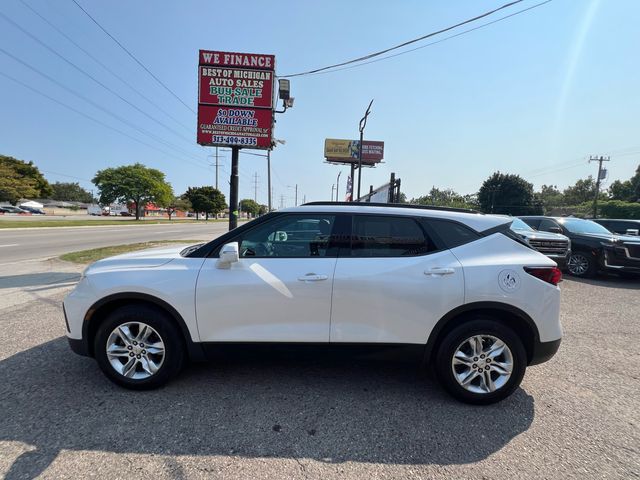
395	205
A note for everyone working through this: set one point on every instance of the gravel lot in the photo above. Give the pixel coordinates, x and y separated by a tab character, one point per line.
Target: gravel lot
577	416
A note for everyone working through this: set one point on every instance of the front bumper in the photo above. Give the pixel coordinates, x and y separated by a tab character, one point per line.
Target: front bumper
621	258
543	351
79	346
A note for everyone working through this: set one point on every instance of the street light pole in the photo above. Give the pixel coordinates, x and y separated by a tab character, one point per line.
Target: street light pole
363	124
338	185
333	187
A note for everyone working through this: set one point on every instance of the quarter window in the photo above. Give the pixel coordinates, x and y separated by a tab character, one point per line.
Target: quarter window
387	236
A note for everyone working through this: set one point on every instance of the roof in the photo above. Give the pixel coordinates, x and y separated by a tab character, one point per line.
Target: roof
475	220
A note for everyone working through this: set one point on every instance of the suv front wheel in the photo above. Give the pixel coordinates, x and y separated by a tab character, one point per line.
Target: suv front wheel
481	362
139	347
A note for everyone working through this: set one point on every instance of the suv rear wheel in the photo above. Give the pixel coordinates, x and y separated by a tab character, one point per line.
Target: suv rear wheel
481	362
139	347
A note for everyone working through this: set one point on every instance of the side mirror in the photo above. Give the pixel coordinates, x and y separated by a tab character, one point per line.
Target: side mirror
554	230
229	253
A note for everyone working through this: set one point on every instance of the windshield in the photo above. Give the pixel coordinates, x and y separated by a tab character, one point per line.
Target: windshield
518	224
577	225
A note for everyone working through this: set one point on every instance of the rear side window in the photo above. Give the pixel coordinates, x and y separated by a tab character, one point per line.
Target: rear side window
388	236
452	234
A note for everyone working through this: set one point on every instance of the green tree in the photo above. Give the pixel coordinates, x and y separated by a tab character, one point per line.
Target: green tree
550	197
628	190
71	192
250	206
206	199
19	179
508	194
133	183
584	190
622	191
444	198
13	186
178	203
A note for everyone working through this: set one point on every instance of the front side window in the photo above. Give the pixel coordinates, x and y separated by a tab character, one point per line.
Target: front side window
289	236
546	225
388	236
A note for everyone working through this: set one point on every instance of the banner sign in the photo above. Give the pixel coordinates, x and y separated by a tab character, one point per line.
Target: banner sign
346	151
235	99
242	127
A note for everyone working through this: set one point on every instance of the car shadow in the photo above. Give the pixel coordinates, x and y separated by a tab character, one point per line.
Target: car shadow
319	409
46	280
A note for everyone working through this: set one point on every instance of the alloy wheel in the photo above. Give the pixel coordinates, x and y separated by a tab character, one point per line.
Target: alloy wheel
135	350
482	364
578	264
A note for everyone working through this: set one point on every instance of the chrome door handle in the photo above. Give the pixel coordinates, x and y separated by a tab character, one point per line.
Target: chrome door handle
439	271
312	277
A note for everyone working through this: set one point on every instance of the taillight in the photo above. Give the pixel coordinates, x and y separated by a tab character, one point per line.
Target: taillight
552	275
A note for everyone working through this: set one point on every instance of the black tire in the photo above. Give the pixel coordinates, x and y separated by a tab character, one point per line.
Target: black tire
582	258
165	328
473	327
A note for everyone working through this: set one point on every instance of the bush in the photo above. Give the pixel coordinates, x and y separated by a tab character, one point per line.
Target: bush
618	209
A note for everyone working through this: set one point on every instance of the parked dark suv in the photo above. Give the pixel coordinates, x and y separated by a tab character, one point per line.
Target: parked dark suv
622	227
593	247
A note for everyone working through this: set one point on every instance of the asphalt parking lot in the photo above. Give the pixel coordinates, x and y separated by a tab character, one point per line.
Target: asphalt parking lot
576	416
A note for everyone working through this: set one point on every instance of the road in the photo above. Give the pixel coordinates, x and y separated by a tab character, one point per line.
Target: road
22	244
575	417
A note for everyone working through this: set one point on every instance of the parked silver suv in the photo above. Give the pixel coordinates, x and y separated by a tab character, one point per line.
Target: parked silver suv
554	245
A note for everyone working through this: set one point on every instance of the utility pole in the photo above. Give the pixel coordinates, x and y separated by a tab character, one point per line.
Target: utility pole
595	198
255	187
296	204
281	202
337	185
304	199
363	124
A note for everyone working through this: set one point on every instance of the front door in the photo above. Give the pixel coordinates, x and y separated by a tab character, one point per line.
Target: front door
279	290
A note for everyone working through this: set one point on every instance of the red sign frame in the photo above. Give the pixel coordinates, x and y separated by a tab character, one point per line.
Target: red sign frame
235	99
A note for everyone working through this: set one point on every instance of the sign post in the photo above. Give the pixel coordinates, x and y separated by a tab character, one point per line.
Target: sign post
235	107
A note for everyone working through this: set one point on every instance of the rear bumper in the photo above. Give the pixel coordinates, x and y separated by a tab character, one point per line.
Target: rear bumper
543	351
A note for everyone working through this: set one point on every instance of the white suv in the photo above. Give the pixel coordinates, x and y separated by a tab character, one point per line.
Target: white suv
458	287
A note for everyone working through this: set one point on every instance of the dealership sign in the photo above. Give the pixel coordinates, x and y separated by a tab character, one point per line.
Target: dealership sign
235	99
346	151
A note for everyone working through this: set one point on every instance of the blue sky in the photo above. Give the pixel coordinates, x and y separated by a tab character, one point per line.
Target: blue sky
535	94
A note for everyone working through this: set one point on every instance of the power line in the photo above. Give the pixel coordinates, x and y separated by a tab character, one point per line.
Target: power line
133	57
99	107
28	87
99	62
62	57
437	41
404	44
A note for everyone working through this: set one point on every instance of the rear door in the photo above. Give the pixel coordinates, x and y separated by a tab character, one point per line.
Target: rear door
393	283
